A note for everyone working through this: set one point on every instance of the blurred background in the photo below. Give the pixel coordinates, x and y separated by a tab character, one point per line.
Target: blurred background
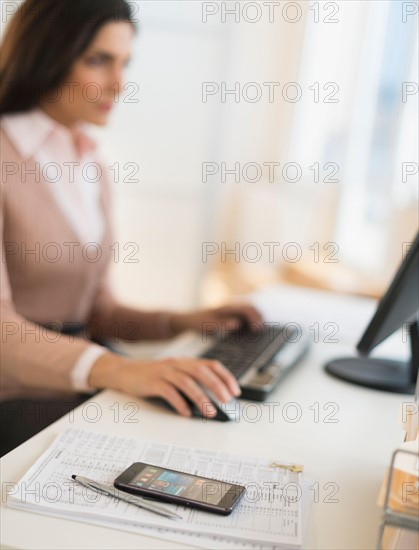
244	123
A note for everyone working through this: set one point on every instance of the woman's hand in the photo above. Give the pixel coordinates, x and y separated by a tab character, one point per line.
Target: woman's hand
165	378
218	320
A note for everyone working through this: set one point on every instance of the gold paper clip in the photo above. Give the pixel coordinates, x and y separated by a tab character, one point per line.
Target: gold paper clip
296	468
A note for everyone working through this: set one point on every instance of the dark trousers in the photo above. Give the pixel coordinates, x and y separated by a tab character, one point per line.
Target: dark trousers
23	418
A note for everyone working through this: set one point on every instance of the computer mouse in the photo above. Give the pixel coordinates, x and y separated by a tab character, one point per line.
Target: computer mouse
225	411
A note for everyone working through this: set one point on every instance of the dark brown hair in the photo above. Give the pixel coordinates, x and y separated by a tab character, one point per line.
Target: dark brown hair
43	40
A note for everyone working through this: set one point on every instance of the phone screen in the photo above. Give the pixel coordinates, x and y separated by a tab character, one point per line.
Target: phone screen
169	482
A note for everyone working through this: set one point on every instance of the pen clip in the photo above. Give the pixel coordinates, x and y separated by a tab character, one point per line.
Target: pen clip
99	489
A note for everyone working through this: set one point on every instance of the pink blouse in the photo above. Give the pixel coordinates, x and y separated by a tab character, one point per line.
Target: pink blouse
55	226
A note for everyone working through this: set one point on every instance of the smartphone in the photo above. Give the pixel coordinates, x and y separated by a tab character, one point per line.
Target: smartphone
168	485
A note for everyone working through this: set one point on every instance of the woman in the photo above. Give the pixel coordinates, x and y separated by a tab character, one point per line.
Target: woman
57	56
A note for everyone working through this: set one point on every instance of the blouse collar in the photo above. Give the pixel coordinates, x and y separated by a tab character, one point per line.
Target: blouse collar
30	130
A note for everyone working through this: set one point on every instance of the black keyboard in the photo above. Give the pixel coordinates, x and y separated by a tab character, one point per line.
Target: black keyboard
244	349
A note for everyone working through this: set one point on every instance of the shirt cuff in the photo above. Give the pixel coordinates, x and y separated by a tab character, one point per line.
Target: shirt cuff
81	370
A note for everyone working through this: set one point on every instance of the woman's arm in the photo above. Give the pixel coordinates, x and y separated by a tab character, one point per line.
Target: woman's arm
116	321
111	320
34	358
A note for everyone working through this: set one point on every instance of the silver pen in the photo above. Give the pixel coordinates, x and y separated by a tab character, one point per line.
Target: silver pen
126	497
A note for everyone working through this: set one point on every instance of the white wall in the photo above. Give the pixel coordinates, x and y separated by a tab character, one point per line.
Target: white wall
170	132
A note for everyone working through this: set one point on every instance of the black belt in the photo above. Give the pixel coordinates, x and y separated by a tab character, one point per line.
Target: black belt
76	329
69	328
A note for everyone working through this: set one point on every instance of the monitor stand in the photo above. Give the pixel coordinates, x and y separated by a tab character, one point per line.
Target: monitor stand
381	374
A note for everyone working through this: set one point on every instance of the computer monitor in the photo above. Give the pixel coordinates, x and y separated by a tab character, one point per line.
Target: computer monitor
398	308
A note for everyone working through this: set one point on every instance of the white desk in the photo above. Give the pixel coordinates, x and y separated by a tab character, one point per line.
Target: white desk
350	455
